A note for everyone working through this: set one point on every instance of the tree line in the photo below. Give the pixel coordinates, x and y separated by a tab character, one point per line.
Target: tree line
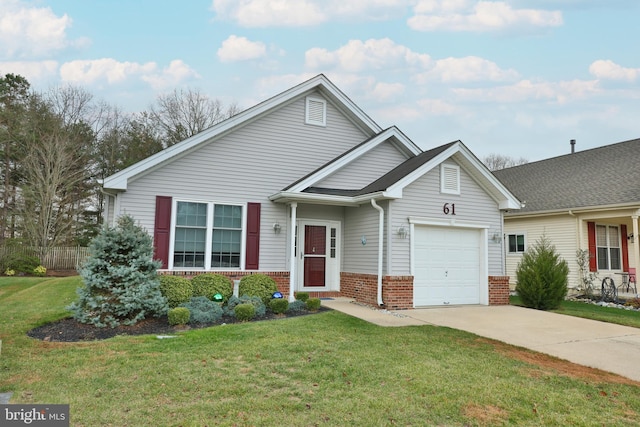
57	146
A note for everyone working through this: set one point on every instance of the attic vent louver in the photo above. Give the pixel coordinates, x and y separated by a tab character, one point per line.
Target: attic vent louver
316	112
450	179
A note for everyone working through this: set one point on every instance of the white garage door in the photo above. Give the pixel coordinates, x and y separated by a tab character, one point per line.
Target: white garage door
447	266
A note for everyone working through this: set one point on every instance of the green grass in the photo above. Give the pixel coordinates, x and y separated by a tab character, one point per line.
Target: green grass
595	312
323	369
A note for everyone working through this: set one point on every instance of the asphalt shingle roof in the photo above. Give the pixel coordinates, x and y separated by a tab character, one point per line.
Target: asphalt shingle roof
608	175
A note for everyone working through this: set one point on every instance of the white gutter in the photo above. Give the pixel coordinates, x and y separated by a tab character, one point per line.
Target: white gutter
380	248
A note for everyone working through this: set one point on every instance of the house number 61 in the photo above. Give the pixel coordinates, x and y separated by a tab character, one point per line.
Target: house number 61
449	208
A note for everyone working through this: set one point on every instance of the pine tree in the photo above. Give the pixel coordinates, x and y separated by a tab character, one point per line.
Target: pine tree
542	276
120	278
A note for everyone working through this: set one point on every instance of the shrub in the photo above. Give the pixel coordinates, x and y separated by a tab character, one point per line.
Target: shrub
9	272
121	285
207	285
279	305
313	304
233	302
179	316
203	310
302	296
175	289
245	312
258	285
21	263
542	276
297	306
40	271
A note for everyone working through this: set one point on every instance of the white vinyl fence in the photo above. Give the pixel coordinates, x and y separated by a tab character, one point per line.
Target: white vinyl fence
60	258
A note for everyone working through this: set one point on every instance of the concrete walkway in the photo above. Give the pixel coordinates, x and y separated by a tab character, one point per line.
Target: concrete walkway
601	345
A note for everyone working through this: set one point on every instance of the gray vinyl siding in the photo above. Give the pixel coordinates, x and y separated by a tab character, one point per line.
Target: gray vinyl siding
422	198
366	168
248	165
362	221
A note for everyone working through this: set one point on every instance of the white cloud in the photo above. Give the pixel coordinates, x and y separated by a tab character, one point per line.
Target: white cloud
384	54
237	48
33	71
112	72
357	56
105	69
609	70
387	91
265	13
467	15
27	31
301	13
175	73
467	69
526	90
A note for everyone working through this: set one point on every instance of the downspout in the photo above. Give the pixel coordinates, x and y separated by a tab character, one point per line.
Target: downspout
380	248
293	258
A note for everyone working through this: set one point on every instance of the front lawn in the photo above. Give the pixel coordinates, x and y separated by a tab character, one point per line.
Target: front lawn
595	312
322	369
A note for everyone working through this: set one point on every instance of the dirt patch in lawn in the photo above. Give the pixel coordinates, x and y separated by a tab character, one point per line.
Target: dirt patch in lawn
69	330
487	415
563	367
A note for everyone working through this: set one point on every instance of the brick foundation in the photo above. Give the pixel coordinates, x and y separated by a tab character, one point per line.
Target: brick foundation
498	290
397	291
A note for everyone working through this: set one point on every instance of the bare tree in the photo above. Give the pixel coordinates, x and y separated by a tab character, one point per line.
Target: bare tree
184	113
55	175
497	161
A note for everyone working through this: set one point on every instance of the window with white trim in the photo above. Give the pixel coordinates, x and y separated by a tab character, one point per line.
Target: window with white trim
207	235
516	243
608	247
315	111
450	179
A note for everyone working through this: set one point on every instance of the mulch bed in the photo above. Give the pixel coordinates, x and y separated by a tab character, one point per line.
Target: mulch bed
69	330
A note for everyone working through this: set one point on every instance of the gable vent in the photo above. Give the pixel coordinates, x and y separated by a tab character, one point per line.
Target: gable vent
450	179
316	112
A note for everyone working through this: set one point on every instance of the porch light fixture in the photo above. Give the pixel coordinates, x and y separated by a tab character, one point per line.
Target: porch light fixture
276	228
630	238
402	232
497	238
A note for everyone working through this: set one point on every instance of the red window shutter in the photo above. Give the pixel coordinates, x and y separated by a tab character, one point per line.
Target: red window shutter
625	247
253	236
162	230
593	262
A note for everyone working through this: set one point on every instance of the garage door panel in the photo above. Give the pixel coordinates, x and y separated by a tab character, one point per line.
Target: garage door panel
447	266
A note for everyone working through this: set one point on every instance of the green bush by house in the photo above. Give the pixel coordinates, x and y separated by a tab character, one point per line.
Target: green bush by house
542	276
258	285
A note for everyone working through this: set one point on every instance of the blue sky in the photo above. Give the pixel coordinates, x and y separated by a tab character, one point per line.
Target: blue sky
514	77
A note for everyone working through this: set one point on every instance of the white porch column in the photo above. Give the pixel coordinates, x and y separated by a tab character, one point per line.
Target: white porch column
636	243
292	243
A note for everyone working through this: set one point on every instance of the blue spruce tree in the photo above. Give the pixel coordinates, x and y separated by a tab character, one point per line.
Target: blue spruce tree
120	278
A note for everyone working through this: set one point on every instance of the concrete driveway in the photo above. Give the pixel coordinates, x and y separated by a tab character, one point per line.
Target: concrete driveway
601	345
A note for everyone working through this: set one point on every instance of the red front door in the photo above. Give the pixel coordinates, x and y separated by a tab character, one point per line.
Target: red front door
315	255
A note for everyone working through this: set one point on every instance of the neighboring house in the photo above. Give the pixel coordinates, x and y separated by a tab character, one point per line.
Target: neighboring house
306	188
587	200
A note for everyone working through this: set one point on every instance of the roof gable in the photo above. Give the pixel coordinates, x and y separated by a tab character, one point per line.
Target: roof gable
320	83
392	183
